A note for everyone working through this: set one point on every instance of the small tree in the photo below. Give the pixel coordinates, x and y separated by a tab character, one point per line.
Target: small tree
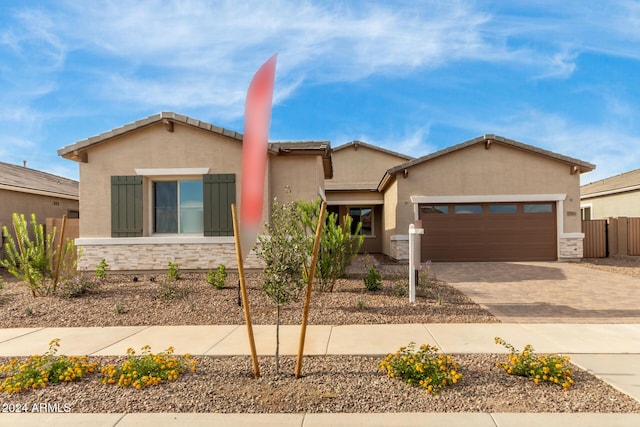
338	247
284	251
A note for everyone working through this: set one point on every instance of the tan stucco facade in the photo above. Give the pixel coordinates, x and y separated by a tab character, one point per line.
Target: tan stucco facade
357	166
149	148
615	196
295	177
614	205
182	152
481	173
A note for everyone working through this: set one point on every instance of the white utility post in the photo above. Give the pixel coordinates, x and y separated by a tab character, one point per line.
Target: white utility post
414	259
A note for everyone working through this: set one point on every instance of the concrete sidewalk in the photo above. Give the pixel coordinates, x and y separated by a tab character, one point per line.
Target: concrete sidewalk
609	351
412	419
378	339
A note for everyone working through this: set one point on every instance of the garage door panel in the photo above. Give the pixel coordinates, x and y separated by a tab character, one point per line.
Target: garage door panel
507	232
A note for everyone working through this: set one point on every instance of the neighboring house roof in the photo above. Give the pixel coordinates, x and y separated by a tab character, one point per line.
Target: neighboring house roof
26	180
625	182
77	151
357	144
579	165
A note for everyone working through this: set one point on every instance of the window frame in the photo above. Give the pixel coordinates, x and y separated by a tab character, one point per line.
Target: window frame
373	215
152	204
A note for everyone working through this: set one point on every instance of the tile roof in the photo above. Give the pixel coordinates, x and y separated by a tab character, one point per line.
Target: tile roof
584	166
373	147
75	151
628	181
70	151
23	179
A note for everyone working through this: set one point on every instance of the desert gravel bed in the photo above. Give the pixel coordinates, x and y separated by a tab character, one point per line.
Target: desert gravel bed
121	301
331	384
627	265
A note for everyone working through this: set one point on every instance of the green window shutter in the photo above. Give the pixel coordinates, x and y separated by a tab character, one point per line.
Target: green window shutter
219	193
126	206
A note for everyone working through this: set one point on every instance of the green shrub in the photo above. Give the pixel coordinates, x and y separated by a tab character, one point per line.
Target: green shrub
218	278
338	247
372	279
174	272
31	256
540	368
424	368
78	285
101	269
30	259
169	290
147	369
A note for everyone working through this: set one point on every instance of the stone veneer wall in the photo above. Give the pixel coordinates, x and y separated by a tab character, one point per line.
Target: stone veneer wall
571	248
400	248
141	257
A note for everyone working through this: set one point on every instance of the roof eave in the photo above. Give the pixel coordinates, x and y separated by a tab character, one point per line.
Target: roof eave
581	165
77	151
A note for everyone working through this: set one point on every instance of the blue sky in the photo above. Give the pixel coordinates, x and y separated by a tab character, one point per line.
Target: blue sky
410	76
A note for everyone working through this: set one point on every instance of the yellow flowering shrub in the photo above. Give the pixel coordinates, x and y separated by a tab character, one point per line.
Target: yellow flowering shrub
423	368
540	368
147	369
38	371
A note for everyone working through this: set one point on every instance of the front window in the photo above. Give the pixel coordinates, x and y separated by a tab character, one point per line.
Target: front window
178	207
468	209
364	216
538	208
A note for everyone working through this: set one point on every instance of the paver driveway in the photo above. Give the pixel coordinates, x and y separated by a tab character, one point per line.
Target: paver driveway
546	292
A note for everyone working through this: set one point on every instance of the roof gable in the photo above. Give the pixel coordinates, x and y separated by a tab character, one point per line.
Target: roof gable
490	139
357	144
23	179
76	151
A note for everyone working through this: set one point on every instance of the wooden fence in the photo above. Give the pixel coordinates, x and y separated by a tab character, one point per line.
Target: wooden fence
611	236
595	242
633	236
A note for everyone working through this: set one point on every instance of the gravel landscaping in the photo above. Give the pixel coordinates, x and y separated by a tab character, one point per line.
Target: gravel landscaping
329	384
627	265
152	300
332	384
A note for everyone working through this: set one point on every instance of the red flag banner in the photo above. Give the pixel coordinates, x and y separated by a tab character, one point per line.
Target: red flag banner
257	119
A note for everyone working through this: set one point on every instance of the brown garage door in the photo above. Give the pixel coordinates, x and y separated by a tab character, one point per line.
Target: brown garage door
489	232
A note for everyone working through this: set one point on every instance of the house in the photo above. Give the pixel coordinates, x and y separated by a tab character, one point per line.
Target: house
616	196
159	190
28	191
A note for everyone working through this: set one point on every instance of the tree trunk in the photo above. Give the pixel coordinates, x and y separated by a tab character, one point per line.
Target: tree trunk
277	339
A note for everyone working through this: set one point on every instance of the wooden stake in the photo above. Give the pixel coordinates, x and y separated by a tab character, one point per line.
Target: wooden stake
57	273
243	292
307	301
